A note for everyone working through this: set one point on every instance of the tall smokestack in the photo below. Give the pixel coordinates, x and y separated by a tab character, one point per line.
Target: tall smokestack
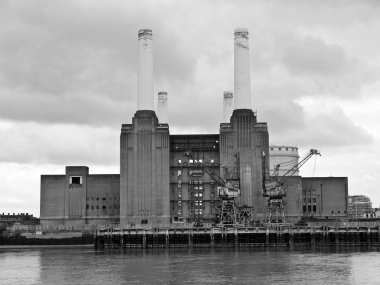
241	70
162	109
145	99
228	105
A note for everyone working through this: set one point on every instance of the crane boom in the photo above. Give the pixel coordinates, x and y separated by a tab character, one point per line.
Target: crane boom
226	190
273	187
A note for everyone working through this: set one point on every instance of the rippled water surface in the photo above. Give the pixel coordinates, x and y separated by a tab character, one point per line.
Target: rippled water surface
198	266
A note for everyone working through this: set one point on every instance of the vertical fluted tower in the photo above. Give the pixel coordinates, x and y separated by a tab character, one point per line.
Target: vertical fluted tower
228	105
145	99
162	107
242	81
242	135
144	153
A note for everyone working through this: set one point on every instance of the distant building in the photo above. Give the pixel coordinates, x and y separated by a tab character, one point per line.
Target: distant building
360	206
20	218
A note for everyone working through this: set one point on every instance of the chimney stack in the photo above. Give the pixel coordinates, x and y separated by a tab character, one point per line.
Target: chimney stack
228	105
145	99
162	108
242	84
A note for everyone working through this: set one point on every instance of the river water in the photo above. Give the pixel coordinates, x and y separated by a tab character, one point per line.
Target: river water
197	266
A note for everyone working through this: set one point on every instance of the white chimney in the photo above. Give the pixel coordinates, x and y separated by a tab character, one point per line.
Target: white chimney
228	106
145	100
162	108
242	84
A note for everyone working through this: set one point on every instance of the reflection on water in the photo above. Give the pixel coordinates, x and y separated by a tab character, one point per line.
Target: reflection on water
18	267
197	266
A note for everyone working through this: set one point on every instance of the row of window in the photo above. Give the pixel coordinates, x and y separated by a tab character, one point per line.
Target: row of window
97	207
195	161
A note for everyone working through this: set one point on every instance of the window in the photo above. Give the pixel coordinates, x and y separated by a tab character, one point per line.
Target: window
191	161
145	221
75	180
87	206
200	194
314	208
179	172
212	161
179	194
104	207
279	148
309	208
179	161
200	161
92	207
286	148
304	208
103	198
271	148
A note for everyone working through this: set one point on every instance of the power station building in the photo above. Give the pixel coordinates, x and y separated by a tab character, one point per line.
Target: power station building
158	185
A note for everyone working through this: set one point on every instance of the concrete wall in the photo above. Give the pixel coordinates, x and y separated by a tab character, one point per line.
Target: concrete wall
293	199
103	199
95	200
329	194
52	206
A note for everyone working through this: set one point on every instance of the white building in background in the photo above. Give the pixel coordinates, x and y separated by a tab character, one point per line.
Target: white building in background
286	156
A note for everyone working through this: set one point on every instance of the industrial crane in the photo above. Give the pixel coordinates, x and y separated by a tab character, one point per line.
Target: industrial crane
230	213
226	189
274	187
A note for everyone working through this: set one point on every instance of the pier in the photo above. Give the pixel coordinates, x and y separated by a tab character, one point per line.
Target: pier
280	236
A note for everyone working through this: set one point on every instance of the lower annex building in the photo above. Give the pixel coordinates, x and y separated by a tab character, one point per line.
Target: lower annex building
158	185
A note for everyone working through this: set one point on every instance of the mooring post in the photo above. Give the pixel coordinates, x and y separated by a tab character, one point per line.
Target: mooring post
212	237
267	237
291	239
312	238
167	238
96	238
236	238
369	236
336	237
121	238
190	238
144	239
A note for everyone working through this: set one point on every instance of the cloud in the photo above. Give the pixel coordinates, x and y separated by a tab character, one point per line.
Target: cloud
61	56
324	125
61	144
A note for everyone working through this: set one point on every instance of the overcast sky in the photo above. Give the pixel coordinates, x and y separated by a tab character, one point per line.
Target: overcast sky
68	81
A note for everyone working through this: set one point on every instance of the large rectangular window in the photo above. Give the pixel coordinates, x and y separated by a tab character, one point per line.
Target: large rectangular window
75	180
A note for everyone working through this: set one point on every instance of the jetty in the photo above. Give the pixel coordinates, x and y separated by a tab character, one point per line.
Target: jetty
263	236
